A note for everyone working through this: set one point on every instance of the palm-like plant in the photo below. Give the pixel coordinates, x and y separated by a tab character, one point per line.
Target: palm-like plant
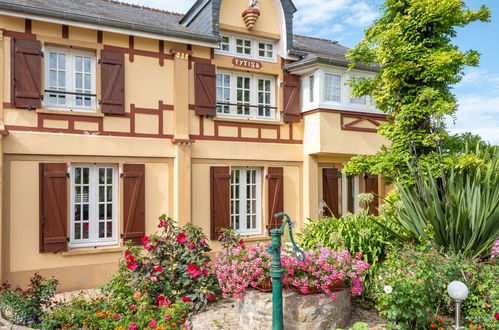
461	206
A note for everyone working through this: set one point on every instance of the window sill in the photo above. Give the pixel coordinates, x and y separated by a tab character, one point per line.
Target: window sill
70	113
249	120
92	250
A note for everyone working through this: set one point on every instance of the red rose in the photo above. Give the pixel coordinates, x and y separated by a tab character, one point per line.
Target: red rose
128	255
193	270
496	315
211	297
145	240
132	264
186	299
182	238
191	246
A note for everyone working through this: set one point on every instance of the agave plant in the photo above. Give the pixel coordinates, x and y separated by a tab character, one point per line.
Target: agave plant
460	206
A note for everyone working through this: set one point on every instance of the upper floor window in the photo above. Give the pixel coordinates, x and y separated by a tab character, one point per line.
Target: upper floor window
332	87
311	83
244	95
69	79
247	47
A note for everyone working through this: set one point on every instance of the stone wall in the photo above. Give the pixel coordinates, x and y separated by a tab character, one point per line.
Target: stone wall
301	312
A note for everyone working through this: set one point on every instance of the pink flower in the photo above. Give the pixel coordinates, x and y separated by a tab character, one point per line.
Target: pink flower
186	299
205	272
152	324
182	238
496	315
162	223
191	245
158	269
163	301
128	255
133	326
116	316
202	241
211	297
132	307
154	278
193	270
359	255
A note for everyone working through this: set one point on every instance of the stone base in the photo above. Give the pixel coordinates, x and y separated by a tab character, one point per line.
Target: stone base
301	312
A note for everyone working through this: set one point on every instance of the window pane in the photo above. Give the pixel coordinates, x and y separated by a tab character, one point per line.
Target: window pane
87	82
62	61
78	63
53	60
85	212
101	230
62	79
77	212
77	194
77	230
101	194
333	87
88	66
109	211
85	230
109	175
86	172
109	194
85	194
109	226
53	79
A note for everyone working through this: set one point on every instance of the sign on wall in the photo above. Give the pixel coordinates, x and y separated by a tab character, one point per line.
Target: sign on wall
247	64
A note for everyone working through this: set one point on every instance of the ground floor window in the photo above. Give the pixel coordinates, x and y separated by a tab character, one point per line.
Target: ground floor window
94	202
245	200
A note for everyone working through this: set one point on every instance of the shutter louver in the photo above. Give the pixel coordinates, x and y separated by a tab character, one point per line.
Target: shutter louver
53	207
275	179
134	202
26	74
291	97
371	184
330	191
112	82
220	199
205	89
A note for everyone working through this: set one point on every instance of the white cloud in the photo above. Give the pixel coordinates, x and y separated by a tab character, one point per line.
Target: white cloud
480	77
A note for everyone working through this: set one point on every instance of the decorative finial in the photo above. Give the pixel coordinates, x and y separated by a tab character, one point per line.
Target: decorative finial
251	14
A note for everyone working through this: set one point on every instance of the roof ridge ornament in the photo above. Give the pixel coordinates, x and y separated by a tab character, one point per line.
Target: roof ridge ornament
251	14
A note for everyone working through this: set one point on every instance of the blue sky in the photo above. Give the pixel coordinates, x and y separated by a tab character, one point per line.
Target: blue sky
345	21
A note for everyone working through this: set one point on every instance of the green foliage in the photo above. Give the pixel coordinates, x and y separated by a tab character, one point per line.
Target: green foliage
27	306
357	326
173	263
459	144
105	313
462	209
356	233
418	64
411	286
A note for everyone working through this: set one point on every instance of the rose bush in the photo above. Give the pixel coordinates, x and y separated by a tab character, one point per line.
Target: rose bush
173	264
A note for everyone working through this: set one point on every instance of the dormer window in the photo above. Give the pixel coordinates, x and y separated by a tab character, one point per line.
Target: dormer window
243	46
246	47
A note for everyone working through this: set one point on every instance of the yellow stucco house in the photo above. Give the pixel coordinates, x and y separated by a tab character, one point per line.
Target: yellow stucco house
112	114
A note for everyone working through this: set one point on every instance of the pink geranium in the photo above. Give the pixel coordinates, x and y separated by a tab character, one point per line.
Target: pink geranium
182	238
193	270
191	245
152	324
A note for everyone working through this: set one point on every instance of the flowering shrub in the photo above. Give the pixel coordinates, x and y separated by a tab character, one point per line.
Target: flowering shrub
411	287
27	306
173	265
104	313
494	253
239	267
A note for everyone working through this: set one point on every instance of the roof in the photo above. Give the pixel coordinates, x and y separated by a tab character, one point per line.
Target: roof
110	13
316	50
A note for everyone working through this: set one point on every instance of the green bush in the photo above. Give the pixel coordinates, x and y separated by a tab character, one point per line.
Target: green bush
27	306
356	233
106	313
411	287
461	206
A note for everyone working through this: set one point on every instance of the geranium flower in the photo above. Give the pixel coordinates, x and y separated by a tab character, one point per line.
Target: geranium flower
186	299
191	245
132	265
162	223
205	271
152	324
182	238
128	255
193	270
211	297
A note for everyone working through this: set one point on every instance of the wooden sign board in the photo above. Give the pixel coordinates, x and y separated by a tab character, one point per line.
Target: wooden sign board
249	64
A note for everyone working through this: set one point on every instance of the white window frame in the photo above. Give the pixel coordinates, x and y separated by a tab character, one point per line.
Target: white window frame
70	79
93	211
243	230
325	87
266	49
253	96
255	44
344	191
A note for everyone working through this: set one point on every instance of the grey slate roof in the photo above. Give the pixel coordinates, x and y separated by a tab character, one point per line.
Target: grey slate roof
316	50
110	13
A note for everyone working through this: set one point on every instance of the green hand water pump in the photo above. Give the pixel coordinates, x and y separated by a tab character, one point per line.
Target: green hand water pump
277	271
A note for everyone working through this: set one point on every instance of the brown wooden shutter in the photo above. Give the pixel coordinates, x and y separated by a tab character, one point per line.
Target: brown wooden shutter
291	96
220	199
371	184
330	191
205	89
26	73
112	82
275	179
134	202
53	207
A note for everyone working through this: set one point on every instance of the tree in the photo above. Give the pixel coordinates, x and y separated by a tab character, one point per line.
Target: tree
418	64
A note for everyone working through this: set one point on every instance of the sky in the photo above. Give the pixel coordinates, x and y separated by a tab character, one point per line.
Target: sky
346	20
